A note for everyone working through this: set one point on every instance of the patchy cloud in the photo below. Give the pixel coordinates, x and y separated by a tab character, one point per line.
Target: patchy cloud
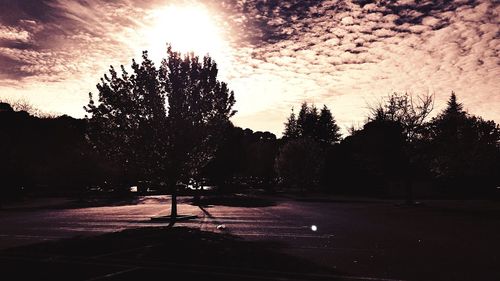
343	53
348	54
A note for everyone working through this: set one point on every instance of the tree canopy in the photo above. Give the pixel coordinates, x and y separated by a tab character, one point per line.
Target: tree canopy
161	123
310	123
299	163
464	145
410	112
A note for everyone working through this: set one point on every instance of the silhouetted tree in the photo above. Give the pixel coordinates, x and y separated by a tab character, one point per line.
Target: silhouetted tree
465	147
166	122
259	158
22	105
228	160
454	108
5	107
42	154
291	127
245	158
411	115
307	122
319	126
310	127
403	109
374	156
328	130
299	163
8	142
128	124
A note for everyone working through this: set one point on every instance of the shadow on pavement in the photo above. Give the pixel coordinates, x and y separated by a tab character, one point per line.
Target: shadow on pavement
234	201
156	251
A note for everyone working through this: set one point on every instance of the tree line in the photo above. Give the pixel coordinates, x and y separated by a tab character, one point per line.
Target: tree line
397	150
161	126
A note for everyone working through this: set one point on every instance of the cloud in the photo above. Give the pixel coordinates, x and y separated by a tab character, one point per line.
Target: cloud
14	34
343	53
350	53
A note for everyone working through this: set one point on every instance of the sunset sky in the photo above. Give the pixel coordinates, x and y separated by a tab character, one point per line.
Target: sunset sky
273	54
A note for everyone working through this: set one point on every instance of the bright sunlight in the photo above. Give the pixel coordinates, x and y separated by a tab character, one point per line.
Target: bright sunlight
188	28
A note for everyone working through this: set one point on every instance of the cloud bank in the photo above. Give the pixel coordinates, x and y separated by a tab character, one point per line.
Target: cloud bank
345	54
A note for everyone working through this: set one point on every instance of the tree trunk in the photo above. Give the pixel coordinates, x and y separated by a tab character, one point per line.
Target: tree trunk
197	197
173	209
173	204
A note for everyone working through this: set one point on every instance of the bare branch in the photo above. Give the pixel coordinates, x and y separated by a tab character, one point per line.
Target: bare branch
403	109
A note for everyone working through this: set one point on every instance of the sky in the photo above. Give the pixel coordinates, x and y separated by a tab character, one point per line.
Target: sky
274	54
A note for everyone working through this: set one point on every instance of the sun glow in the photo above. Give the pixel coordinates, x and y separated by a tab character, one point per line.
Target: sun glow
188	29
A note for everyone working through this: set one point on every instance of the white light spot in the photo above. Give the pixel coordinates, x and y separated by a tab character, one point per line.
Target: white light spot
189	28
314	228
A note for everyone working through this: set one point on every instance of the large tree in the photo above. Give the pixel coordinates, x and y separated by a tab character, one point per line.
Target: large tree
465	147
299	163
327	128
162	124
410	113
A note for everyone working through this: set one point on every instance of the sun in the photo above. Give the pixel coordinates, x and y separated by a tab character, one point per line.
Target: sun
187	28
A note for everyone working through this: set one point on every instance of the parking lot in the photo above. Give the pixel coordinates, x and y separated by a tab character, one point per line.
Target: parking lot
342	239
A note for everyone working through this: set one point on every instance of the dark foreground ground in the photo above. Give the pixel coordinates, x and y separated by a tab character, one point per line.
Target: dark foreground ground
252	239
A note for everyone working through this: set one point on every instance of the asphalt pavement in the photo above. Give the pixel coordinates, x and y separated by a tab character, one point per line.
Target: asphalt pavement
372	240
